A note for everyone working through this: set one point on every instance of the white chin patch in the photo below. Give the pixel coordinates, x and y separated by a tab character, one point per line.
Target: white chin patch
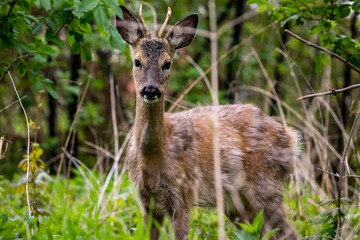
150	101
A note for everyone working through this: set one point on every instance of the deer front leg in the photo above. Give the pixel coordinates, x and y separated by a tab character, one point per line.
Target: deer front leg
154	231
180	223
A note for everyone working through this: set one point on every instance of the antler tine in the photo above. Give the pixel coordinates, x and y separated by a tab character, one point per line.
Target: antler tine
146	30
163	28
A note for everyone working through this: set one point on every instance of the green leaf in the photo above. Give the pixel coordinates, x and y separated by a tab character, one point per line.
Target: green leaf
243	235
46	49
116	40
37	27
296	16
5	218
269	234
51	91
259	222
101	17
50	23
88	5
58	3
255	1
114	6
319	63
57	41
85	54
315	29
344	10
86	27
46	4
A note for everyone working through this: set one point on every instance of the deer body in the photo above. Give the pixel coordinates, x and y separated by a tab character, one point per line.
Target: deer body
170	156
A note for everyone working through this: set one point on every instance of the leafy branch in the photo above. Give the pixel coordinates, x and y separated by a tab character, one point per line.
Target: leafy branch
322	49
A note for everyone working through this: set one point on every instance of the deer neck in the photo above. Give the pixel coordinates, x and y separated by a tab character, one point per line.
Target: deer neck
149	129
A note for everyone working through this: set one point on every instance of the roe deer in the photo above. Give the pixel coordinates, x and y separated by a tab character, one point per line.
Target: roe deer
170	156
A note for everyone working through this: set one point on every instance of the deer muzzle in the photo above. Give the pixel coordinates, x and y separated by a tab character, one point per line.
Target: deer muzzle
150	94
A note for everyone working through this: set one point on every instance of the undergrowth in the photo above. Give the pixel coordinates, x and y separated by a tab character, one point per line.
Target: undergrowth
73	213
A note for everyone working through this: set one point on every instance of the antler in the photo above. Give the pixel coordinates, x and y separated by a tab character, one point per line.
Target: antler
145	29
163	28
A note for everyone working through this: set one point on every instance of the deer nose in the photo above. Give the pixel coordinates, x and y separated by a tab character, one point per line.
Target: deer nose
150	94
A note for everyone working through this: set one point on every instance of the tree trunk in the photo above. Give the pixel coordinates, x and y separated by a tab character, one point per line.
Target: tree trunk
50	74
105	66
75	61
346	98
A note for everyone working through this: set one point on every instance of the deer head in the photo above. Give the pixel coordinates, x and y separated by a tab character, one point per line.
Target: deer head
152	55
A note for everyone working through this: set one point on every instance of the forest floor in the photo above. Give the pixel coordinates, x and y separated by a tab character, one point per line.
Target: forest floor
80	208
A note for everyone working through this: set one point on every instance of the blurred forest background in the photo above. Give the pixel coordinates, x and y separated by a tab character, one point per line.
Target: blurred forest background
71	70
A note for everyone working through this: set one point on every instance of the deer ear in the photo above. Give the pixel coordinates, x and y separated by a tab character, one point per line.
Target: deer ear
183	32
128	27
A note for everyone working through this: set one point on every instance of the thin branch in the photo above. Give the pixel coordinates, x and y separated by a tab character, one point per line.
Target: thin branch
236	21
70	131
330	173
28	145
12	103
322	49
206	80
111	172
332	91
351	176
342	162
103	150
114	123
2	141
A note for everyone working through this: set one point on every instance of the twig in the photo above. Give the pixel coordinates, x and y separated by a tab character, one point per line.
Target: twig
229	25
342	162
12	103
116	162
114	123
322	49
70	132
76	161
28	145
332	91
351	176
2	140
103	150
206	80
330	173
271	85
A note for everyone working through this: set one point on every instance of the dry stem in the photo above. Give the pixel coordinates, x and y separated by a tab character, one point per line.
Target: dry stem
216	142
343	160
332	91
28	145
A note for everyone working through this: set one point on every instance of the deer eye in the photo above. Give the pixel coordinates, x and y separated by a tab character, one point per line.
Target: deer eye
166	66
137	63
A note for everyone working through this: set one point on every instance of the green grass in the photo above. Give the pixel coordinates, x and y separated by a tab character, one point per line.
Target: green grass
71	212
